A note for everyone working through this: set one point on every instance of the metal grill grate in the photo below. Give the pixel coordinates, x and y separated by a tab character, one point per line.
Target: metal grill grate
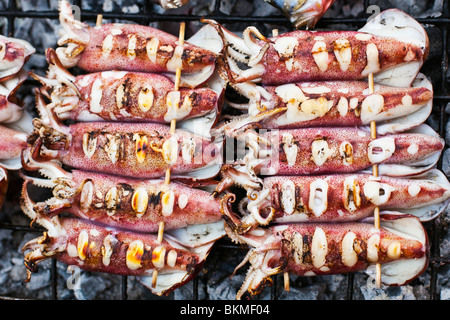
436	67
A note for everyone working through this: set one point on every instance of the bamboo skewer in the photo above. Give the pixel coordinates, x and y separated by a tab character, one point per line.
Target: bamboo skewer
173	124
376	212
99	20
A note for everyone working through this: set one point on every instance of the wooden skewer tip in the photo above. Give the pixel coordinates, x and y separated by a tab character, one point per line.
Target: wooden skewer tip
99	20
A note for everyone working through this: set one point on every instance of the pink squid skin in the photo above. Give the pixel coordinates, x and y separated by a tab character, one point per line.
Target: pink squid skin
93	59
337	203
334	138
190	205
125	107
391	52
347	91
14	54
12	143
119	148
64	249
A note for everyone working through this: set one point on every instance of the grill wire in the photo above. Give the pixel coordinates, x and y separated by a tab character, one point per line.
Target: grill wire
437	68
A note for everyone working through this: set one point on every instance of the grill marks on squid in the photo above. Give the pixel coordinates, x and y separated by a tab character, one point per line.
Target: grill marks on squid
99	248
312	199
141	47
353	52
116	145
123	199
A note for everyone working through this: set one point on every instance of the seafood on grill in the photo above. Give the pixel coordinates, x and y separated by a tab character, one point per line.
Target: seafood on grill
326	150
94	247
130	203
335	103
392	47
336	198
131	47
14	53
144	150
123	96
302	12
308	249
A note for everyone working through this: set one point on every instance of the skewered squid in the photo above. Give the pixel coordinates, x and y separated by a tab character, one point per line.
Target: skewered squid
178	258
307	151
14	53
131	47
400	246
122	96
302	12
335	103
144	150
392	46
337	198
130	203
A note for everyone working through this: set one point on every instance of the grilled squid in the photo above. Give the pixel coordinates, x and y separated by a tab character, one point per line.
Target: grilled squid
131	47
392	46
14	53
400	246
335	103
144	150
93	247
336	150
131	203
336	198
122	96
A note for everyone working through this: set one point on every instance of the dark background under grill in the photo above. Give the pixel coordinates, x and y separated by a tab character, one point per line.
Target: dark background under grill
435	67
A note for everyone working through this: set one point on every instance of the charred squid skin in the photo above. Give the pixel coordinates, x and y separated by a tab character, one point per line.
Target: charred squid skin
145	150
336	198
122	96
351	197
129	47
316	54
393	47
344	150
336	103
400	246
135	204
104	249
